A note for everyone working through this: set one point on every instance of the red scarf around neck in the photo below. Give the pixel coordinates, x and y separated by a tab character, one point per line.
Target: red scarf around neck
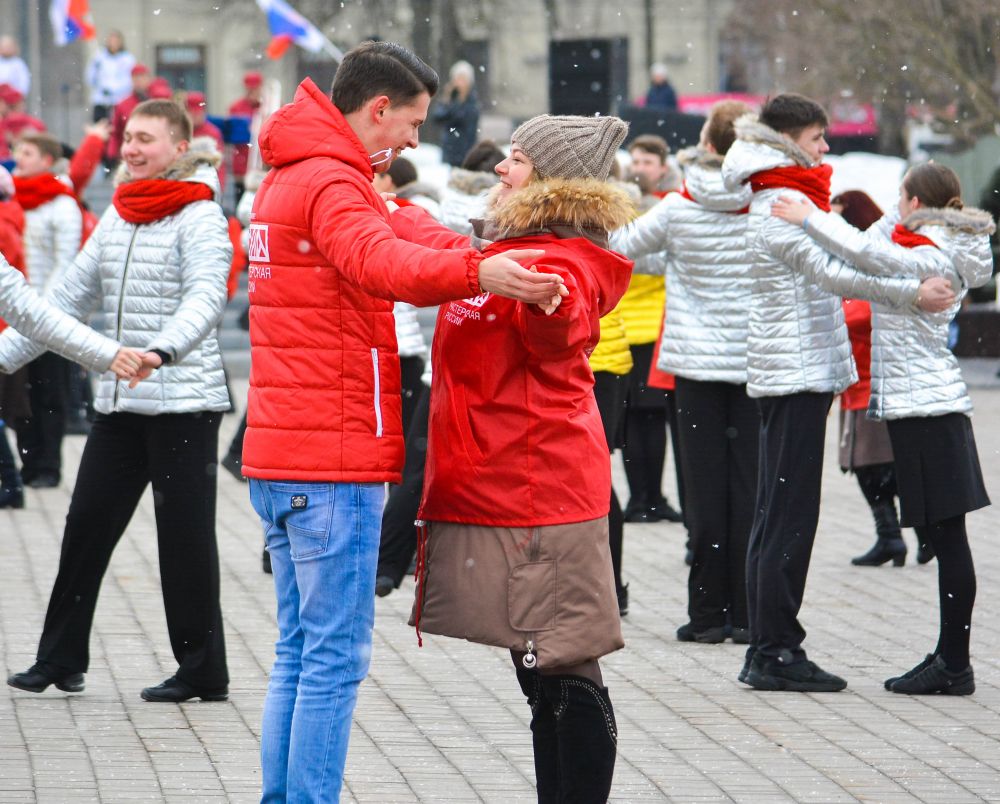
813	182
904	237
685	194
33	191
148	200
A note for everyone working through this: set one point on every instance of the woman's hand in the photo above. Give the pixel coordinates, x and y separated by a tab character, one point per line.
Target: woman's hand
150	362
392	205
935	295
793	211
126	363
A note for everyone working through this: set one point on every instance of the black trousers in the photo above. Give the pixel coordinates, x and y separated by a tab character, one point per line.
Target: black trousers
411	369
398	541
39	438
609	392
719	432
124	453
789	478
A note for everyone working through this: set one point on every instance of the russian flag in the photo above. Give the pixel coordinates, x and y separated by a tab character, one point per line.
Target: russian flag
288	26
71	20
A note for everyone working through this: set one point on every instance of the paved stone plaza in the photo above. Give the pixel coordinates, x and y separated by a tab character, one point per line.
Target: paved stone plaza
448	723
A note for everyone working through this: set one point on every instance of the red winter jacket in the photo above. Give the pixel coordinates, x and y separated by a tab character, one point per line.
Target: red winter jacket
12	239
515	436
325	267
858	317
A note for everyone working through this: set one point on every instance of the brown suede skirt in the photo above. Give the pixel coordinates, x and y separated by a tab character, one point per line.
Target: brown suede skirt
546	590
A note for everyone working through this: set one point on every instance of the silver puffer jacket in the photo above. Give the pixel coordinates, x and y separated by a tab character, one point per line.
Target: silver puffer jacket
51	239
914	373
160	285
31	315
703	252
797	341
465	198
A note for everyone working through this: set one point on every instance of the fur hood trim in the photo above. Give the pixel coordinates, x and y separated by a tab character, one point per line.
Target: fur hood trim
183	167
750	129
580	204
700	157
968	219
471	182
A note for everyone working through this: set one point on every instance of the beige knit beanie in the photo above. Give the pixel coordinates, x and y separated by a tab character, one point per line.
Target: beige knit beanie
569	146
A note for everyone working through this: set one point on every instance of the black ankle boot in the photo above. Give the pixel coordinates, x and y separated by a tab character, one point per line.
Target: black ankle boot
11	497
587	738
543	736
889	545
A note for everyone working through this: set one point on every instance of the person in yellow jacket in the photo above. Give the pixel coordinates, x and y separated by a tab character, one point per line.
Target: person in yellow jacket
611	362
647	409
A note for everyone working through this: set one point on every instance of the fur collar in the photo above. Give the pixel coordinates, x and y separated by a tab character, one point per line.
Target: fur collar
183	167
968	220
471	182
750	129
580	204
700	157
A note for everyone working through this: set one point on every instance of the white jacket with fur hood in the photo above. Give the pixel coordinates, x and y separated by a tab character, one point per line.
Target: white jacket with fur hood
914	373
797	341
159	285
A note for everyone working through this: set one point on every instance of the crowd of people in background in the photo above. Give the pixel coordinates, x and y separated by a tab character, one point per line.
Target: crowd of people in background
717	303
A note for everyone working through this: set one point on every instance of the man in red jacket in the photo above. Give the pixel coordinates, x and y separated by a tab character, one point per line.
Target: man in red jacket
141	79
324	432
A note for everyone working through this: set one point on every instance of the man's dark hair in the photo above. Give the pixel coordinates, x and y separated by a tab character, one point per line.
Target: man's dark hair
402	172
651	144
178	122
380	68
483	157
790	113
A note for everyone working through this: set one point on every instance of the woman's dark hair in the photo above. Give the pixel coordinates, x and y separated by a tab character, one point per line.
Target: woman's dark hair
380	68
859	209
483	157
935	185
790	113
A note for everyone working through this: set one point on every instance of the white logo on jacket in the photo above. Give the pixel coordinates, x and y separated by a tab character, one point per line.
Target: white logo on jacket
257	247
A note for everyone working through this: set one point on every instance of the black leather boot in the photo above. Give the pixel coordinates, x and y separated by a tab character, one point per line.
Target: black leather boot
543	736
587	737
889	544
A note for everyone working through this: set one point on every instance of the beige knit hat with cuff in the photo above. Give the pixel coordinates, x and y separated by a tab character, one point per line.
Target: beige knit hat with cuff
571	146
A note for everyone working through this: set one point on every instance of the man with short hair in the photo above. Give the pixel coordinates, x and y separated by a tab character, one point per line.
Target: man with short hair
324	432
156	266
53	226
798	358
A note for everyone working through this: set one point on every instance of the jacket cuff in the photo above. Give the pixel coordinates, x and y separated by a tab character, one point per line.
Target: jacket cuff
472	272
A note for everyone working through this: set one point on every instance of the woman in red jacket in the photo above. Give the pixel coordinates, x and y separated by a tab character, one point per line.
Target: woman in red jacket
518	477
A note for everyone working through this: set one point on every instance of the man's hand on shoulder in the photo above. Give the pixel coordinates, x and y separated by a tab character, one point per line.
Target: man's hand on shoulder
503	274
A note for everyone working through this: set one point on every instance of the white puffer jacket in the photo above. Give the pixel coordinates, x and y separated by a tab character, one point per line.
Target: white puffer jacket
797	341
703	251
31	315
160	285
409	337
914	373
465	198
51	240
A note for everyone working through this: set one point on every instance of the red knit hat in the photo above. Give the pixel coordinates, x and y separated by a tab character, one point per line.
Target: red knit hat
140	69
160	88
9	95
195	101
252	79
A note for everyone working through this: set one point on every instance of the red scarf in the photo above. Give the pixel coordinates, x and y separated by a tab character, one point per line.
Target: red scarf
812	182
685	194
33	191
907	239
148	200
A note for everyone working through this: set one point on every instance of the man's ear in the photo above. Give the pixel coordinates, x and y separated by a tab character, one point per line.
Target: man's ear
182	146
377	107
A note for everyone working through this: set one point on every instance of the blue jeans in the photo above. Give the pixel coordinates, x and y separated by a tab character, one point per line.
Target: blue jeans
323	539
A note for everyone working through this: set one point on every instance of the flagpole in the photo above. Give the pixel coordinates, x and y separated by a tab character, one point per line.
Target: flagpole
32	10
333	51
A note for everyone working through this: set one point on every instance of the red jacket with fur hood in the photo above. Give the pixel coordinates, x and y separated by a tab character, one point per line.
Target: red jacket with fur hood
325	267
515	436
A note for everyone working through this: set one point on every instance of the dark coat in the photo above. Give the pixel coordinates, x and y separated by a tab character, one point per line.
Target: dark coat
459	121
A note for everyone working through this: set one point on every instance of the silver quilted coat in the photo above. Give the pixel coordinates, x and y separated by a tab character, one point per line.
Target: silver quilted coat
28	313
797	341
159	285
914	373
701	247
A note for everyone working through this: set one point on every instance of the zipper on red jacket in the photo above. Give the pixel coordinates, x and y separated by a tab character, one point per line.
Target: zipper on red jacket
378	395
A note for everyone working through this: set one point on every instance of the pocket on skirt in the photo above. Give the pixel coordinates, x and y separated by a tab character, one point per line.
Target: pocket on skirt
531	596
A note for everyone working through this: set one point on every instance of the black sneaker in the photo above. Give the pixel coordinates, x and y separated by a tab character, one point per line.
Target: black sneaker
40	676
937	678
384	585
663	511
265	562
173	690
751	655
927	662
805	676
711	635
740	636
